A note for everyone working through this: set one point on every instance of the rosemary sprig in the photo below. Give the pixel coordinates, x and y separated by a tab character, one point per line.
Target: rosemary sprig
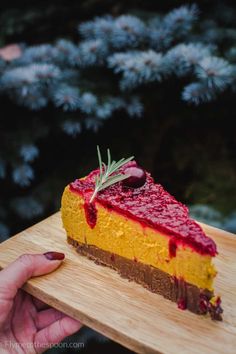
108	175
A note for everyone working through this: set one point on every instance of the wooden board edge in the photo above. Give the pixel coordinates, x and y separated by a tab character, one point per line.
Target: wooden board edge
211	230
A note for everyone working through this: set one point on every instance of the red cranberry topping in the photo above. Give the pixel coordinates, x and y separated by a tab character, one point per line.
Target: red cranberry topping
151	206
137	177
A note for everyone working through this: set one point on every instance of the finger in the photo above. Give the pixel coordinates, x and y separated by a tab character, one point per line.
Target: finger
22	322
55	333
47	317
40	305
26	266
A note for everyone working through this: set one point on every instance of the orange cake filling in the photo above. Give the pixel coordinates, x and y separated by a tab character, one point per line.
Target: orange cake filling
118	234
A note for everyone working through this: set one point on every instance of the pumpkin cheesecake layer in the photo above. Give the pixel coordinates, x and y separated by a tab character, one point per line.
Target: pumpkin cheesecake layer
117	234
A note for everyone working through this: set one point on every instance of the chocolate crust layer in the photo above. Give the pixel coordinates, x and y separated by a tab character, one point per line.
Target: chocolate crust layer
186	295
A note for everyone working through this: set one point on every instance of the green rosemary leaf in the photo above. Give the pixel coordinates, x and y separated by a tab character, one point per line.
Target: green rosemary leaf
122	162
104	169
108	175
113	180
111	167
99	159
108	157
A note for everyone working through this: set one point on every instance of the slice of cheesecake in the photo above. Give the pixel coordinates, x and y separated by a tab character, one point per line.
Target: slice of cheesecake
137	228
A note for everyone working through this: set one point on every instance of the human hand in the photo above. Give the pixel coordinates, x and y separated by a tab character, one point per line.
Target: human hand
27	325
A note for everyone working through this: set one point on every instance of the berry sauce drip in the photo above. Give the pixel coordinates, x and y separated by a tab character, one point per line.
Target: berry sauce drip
181	291
90	214
214	308
203	304
182	305
172	248
151	206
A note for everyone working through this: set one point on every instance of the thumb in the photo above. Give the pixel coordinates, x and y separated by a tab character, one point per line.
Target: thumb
26	266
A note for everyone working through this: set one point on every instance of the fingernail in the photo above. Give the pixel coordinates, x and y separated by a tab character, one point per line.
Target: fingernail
54	256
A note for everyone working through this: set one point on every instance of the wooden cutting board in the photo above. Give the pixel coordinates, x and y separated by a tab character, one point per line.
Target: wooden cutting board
123	310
